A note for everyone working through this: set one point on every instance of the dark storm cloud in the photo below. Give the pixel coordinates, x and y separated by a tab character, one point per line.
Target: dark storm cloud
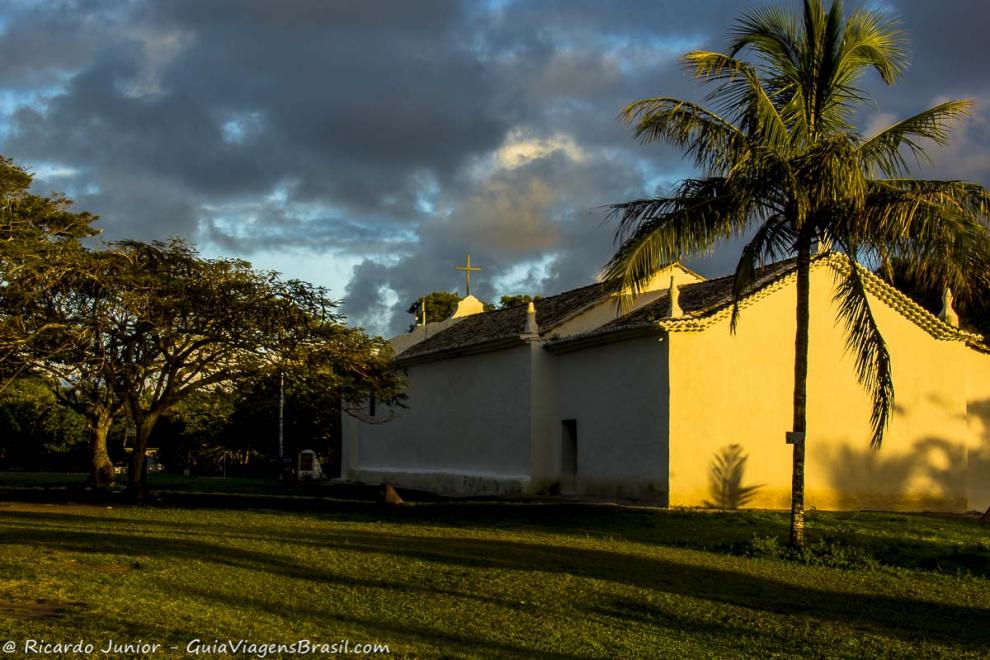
396	135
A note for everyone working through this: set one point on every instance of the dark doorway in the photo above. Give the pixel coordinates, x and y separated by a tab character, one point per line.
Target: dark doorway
568	456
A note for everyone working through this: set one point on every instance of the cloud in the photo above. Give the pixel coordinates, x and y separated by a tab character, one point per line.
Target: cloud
520	149
390	139
534	227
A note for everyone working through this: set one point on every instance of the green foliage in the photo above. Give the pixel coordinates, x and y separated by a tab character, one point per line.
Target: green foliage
243	421
39	248
828	553
440	305
37	431
184	324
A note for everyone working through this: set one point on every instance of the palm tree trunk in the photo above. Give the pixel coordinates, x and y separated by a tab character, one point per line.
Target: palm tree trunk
800	425
101	470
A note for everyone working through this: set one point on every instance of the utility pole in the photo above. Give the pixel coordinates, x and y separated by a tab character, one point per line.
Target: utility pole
281	417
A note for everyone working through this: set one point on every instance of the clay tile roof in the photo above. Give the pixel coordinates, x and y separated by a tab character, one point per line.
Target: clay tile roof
503	324
701	303
697	299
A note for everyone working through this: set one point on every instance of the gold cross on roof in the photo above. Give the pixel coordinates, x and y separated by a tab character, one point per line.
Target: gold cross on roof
467	273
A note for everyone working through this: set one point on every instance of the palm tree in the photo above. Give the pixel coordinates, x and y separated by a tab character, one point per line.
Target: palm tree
783	164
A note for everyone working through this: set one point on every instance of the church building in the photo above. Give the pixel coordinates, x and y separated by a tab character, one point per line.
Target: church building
660	402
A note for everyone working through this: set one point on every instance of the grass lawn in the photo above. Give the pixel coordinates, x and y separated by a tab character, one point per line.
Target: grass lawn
469	580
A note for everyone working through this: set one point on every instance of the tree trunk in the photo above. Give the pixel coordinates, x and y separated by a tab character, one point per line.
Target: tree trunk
137	472
800	425
101	470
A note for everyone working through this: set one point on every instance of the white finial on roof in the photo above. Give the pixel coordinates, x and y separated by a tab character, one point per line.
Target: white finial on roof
531	327
948	314
675	295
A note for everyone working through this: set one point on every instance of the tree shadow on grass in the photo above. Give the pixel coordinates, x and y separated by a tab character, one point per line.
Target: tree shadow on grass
186	549
383	625
722	532
901	617
651	526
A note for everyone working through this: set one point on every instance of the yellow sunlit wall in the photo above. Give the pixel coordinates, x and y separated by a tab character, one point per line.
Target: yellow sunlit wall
736	389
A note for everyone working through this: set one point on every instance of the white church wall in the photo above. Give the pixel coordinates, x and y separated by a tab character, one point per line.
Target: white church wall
545	420
466	429
617	396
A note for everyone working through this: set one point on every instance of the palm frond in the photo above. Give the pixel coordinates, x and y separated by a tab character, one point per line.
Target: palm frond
740	94
655	232
711	139
938	229
874	40
827	64
865	342
772	32
882	152
831	175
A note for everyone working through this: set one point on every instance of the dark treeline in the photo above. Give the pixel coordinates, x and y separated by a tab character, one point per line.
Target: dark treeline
109	349
234	428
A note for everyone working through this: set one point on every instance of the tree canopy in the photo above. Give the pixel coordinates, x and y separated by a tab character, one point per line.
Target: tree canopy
39	247
174	324
440	305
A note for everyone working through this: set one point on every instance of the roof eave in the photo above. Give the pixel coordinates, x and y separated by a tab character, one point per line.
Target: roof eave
588	340
461	350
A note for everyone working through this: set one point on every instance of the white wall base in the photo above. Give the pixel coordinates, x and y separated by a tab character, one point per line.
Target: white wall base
445	483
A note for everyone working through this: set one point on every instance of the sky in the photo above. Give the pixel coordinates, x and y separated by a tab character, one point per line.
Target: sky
370	146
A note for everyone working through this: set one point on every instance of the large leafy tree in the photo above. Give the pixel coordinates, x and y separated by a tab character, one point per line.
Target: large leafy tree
39	247
173	324
83	309
40	253
783	164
